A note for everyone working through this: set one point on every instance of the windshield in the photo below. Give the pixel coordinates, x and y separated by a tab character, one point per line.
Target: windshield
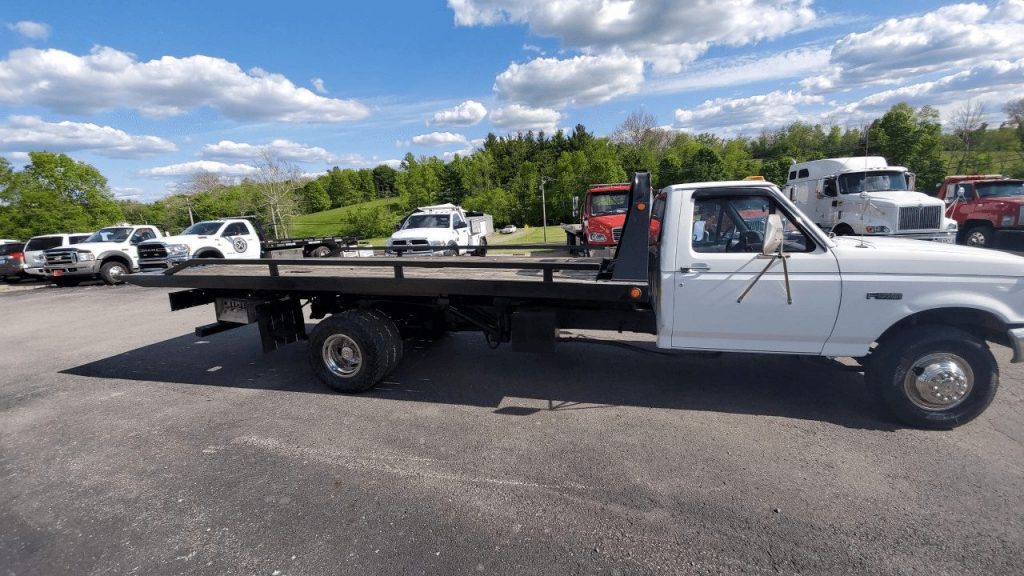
203	228
608	203
1009	188
110	235
44	242
857	182
426	221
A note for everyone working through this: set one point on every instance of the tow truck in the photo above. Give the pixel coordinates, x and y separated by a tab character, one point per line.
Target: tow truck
753	275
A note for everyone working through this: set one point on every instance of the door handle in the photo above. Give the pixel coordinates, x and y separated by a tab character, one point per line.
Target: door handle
696	267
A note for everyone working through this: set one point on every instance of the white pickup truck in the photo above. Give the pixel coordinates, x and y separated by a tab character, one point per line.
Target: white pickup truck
109	254
709	267
235	238
441	229
866	196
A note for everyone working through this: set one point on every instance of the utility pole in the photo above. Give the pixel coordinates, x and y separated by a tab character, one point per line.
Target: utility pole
544	204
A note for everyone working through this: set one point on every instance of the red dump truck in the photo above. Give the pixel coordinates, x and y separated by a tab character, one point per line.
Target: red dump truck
989	209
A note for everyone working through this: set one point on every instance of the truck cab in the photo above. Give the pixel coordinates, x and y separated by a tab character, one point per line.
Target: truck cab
602	216
443	229
227	238
865	196
989	209
108	254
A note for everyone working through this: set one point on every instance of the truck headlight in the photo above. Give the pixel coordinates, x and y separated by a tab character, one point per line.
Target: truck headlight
177	249
86	256
437	242
952	225
598	237
876	229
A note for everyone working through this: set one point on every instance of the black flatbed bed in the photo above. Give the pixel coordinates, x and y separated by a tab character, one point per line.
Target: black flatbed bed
565	279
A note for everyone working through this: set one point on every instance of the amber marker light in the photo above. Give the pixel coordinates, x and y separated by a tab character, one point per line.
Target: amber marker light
635	293
641	206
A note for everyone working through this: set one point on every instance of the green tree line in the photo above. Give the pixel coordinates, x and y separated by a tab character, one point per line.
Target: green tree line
504	176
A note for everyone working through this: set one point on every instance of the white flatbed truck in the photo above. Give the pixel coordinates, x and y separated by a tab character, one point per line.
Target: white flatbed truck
708	267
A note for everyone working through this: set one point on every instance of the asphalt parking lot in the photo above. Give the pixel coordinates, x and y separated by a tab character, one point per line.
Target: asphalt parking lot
129	446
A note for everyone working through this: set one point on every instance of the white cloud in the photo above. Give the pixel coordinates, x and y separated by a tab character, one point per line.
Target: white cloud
318	84
730	116
31	30
107	78
550	82
439	139
738	71
952	37
283	149
190	168
667	33
31	132
990	84
518	118
469	113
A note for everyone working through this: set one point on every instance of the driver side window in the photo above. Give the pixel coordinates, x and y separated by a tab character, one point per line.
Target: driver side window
737	224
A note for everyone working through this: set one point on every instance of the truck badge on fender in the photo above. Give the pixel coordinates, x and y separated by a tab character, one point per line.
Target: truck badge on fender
885	296
239	244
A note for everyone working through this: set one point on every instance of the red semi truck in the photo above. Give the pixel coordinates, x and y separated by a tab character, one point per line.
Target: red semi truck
989	209
602	218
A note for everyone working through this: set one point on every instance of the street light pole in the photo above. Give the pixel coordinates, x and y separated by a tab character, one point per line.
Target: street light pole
544	205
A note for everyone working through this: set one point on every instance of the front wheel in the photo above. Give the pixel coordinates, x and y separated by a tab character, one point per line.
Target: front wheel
979	236
934	377
113	272
349	351
481	249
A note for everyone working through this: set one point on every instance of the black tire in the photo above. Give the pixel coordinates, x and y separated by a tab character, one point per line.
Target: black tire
66	282
952	362
320	252
451	249
481	249
396	346
360	333
979	236
113	272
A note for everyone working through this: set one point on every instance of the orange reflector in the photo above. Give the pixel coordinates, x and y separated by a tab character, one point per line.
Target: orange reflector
758	178
641	206
635	293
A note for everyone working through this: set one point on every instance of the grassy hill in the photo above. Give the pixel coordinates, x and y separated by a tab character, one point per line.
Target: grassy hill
330	222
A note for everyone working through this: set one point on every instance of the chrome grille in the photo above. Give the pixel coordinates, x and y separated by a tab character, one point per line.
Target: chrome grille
152	251
920	218
61	258
616	234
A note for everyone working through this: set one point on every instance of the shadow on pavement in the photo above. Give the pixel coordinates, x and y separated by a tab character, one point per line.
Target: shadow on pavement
461	370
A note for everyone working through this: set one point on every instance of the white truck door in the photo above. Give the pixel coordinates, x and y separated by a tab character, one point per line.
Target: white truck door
461	227
721	259
241	241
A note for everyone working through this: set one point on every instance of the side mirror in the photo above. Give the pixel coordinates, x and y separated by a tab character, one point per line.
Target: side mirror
829	188
460	225
772	235
961	193
575	206
398	227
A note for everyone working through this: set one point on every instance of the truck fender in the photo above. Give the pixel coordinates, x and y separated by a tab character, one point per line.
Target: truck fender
208	253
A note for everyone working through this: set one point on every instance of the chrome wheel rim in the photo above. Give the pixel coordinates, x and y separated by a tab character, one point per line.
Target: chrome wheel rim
116	273
976	239
939	381
342	356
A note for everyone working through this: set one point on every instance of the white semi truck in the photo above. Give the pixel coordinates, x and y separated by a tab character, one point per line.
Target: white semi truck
867	197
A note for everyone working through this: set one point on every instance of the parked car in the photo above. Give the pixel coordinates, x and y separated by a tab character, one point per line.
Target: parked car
510	229
35	259
12	261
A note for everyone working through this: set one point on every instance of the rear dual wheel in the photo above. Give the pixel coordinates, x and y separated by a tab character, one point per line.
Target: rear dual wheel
353	350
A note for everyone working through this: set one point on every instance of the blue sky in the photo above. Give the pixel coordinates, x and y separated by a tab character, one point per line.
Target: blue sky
151	92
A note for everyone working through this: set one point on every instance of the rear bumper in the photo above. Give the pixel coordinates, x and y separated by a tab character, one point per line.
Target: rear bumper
11	270
1016	337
